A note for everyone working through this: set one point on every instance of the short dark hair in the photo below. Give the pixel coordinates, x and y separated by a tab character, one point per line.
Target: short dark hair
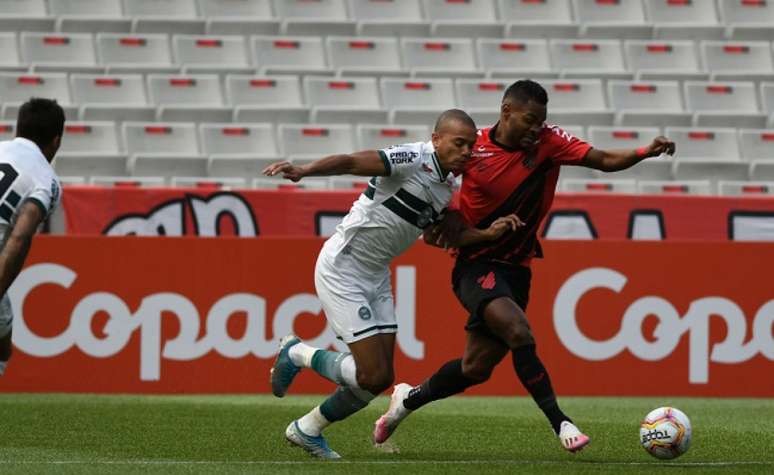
453	115
40	120
526	90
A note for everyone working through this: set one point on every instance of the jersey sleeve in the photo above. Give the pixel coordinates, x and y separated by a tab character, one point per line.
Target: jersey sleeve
46	195
402	161
566	149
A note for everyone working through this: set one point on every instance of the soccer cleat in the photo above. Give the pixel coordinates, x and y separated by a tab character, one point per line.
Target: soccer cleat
386	425
284	370
572	438
316	446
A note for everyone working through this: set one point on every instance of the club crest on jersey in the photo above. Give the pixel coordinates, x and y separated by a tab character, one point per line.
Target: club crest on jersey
364	313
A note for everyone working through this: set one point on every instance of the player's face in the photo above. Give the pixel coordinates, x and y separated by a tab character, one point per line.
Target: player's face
523	122
453	145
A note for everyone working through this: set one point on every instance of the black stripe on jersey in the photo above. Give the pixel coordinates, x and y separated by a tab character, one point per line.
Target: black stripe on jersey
13	198
6	212
386	161
370	191
441	178
402	210
418	204
526	202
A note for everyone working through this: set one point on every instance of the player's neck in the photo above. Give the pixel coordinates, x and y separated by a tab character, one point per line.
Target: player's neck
502	139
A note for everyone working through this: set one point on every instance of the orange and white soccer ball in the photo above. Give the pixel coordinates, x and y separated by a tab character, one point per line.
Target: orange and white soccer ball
665	433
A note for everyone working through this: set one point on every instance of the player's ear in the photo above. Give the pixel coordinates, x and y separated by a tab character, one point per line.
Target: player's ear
436	138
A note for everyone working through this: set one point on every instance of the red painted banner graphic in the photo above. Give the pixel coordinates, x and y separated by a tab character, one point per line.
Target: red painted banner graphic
172	315
197	212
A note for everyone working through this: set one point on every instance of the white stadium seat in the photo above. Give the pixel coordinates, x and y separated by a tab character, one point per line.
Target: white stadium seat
727	104
158	149
118	97
339	100
416	101
675	187
188	98
89	16
89	149
266	99
10	59
211	54
372	137
304	143
164	8
577	101
648	103
238	9
589	58
607	138
612	19
290	54
598	185
19	87
538	19
238	140
364	55
58	51
134	52
704	143
748	20
515	58
749	61
745	188
468	19
684	19
321	17
439	56
757	144
389	18
664	59
7	130
16	8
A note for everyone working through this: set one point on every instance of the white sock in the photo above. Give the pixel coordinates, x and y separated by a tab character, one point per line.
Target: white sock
349	372
313	423
3	364
301	354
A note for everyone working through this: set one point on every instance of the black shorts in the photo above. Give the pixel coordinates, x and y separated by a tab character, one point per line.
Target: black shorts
476	283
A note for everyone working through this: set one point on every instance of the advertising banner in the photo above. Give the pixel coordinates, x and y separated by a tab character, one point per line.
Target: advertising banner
201	212
188	315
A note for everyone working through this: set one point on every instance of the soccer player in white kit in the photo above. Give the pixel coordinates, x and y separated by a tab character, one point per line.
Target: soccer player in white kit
411	187
29	191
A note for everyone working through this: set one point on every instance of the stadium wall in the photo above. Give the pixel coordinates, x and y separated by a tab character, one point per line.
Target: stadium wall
189	315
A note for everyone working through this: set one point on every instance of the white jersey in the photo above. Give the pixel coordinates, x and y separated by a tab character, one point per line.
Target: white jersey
26	176
392	212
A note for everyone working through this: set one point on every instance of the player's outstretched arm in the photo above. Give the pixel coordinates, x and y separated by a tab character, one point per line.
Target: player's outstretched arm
18	243
366	163
453	231
615	160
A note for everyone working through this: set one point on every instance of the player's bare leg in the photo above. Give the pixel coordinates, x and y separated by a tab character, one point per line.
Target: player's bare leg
361	375
5	351
482	354
507	320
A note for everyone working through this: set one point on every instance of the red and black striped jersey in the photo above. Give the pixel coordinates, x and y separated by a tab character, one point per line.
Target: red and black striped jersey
498	181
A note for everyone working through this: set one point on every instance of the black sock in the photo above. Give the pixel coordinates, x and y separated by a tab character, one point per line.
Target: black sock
534	377
447	381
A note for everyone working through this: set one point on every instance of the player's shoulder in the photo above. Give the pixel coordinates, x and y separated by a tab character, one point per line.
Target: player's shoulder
555	134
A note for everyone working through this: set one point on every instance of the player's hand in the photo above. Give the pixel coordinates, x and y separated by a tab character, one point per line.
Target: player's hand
660	145
288	170
504	224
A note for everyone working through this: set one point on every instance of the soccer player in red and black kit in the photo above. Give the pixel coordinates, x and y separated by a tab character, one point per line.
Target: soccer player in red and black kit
513	169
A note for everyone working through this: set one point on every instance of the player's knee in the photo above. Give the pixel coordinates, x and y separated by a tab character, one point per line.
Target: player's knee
377	381
476	371
519	334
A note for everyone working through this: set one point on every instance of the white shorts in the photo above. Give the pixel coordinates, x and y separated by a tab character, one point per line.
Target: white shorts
6	316
358	303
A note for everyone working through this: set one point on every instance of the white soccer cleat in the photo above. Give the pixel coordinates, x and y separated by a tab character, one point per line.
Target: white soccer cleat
572	438
386	425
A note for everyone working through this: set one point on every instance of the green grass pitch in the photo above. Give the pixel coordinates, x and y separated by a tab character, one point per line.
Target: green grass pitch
244	434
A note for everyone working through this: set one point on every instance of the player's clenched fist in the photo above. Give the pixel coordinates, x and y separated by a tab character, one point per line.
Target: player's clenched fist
288	170
660	145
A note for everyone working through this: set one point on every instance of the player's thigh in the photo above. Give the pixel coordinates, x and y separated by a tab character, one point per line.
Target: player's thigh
505	319
482	352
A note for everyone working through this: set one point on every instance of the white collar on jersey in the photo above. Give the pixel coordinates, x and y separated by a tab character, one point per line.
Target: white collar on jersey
31	146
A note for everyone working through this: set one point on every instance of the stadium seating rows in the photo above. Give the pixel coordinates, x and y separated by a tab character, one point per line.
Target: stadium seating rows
238	152
404	56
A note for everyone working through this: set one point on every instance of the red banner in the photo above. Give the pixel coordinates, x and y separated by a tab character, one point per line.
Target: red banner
192	212
151	315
